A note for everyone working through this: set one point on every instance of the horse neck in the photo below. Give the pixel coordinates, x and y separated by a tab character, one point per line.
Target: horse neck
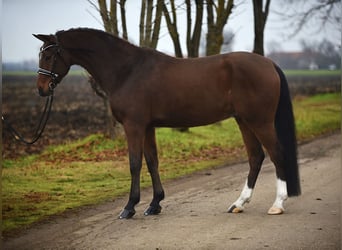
104	59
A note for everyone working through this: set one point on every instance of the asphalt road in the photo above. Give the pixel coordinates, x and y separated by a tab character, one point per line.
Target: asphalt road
194	213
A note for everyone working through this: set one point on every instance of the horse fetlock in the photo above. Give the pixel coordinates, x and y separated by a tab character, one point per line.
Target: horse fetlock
159	196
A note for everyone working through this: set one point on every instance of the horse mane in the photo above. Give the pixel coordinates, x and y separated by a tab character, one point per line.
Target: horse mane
110	39
103	35
86	30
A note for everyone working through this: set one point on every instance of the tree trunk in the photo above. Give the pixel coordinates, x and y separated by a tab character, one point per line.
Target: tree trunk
149	33
260	17
215	27
104	14
214	41
123	19
193	38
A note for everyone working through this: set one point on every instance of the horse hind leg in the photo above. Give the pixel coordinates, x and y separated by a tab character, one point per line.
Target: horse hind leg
151	157
269	140
255	157
278	207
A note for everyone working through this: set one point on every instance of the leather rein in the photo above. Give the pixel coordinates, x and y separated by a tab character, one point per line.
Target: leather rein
48	104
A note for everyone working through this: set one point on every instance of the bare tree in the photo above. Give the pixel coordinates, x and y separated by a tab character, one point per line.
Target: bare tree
193	37
260	17
322	12
149	29
217	17
171	22
110	17
312	17
324	52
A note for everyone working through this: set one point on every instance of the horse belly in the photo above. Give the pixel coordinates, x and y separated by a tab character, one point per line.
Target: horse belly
193	110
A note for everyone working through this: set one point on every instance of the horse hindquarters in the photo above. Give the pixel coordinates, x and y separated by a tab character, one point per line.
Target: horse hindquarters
278	138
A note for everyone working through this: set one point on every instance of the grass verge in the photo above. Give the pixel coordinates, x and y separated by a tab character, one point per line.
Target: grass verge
95	169
312	73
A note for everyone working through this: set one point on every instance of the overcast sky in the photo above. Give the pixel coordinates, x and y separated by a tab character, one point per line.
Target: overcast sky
22	18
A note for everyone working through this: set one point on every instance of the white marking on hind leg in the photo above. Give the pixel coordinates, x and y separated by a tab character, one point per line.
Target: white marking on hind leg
245	197
278	205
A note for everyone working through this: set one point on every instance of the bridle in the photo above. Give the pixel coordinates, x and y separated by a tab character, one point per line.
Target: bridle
53	83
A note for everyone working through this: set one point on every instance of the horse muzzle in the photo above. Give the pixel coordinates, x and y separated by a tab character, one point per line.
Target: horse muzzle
43	92
44	75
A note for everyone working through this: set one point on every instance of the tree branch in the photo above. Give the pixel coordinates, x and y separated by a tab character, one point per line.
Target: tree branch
172	27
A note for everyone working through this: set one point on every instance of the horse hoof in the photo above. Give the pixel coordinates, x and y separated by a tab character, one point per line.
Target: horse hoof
234	209
152	210
127	214
275	211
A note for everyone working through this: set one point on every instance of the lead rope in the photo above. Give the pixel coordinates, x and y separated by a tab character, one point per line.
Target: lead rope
40	128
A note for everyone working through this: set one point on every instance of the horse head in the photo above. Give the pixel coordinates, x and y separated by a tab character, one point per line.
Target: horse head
53	64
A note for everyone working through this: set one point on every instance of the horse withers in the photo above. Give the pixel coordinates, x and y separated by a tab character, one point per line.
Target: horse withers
148	89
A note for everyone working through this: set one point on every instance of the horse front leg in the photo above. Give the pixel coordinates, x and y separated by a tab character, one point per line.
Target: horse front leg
135	138
151	157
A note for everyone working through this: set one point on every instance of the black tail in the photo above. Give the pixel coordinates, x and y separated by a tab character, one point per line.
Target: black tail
286	132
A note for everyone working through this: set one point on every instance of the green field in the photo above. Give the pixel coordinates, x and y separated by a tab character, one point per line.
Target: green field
320	72
95	169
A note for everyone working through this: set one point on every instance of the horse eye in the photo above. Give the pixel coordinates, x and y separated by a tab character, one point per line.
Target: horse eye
47	58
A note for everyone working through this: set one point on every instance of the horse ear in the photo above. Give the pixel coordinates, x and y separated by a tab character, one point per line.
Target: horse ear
44	38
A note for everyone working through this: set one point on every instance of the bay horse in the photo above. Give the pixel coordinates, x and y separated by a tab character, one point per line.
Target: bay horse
148	89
